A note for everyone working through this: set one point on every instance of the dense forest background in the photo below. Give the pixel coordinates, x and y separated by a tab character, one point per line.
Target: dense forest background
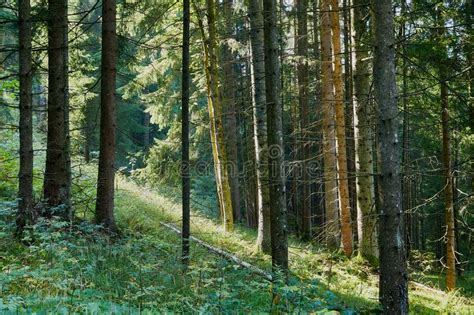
331	157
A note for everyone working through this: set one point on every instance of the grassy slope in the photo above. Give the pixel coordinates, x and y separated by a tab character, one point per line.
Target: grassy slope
82	271
354	283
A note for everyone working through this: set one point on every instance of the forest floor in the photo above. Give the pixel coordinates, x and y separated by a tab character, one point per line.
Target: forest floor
78	269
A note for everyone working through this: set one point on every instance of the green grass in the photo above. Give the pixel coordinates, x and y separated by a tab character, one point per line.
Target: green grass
354	284
79	270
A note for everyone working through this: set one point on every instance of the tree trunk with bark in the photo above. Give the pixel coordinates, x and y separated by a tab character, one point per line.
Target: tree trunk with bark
366	210
276	154
329	130
448	185
25	177
303	91
57	177
104	209
260	124
228	83
393	269
185	167
343	183
215	116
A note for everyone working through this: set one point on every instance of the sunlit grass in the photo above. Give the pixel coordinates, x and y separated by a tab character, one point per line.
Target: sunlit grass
354	283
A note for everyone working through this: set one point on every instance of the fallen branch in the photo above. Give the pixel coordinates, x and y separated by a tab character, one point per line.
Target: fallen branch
223	253
427	288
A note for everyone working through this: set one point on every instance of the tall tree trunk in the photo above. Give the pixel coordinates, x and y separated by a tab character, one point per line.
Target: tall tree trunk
276	153
329	130
343	184
448	189
260	124
248	152
302	69
406	181
57	177
317	172
446	158
448	186
25	176
393	268
366	210
185	167
349	113
228	83
104	209
215	116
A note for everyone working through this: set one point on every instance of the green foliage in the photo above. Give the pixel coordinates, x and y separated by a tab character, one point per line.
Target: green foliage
76	268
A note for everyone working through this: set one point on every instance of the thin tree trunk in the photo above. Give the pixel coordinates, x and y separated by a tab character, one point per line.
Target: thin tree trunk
25	176
329	131
104	209
302	69
349	119
343	184
260	124
57	178
447	165
448	187
317	201
393	269
366	210
229	110
185	174
276	153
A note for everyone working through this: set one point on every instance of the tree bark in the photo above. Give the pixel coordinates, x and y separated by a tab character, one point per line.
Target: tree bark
276	154
260	124
25	176
57	178
366	210
448	185
215	117
329	130
343	184
229	110
393	270
349	116
104	210
302	69
185	175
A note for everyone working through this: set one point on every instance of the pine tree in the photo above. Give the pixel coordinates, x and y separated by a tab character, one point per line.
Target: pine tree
57	177
393	269
104	209
25	176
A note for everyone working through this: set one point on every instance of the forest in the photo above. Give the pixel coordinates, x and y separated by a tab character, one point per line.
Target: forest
237	156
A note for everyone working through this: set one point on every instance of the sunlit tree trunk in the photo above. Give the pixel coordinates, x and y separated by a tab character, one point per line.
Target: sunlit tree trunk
393	269
260	123
57	177
25	176
366	211
215	116
228	84
346	227
329	130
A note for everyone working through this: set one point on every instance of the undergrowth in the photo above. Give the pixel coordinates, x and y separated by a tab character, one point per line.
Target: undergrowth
75	268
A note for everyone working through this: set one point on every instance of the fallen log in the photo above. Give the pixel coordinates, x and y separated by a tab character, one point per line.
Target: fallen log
223	253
